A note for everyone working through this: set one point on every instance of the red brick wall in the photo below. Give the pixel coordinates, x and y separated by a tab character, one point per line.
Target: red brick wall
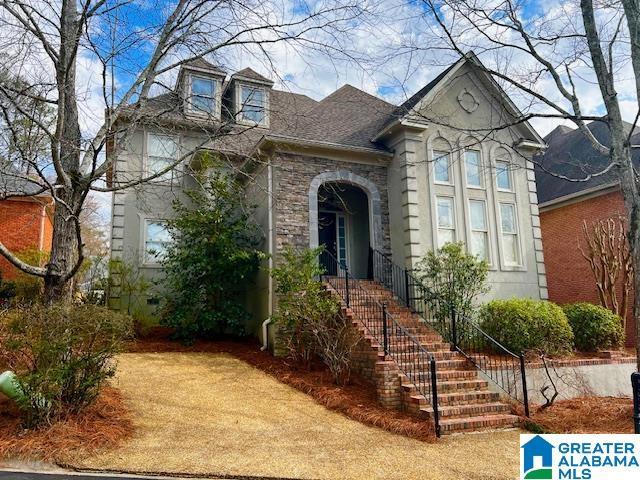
20	229
569	276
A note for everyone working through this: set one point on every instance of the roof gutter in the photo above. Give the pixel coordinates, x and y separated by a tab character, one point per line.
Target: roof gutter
523	143
273	138
399	122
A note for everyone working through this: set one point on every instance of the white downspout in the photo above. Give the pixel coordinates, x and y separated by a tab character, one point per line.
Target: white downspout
265	324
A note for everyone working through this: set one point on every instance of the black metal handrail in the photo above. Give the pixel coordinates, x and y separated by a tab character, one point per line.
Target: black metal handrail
398	343
635	385
503	367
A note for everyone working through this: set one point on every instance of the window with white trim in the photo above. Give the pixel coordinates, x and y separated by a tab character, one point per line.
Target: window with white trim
253	104
162	153
479	244
473	168
503	176
441	168
202	97
156	239
445	220
509	231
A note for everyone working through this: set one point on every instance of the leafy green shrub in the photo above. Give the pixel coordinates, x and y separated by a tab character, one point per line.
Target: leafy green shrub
454	277
61	354
210	261
522	324
594	327
309	317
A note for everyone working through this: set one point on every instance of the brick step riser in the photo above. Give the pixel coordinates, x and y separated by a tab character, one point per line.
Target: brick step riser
451	375
428	346
469	386
487	423
450	400
465	411
442	365
439	356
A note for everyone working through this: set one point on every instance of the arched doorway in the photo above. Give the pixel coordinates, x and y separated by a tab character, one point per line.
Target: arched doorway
345	216
343	225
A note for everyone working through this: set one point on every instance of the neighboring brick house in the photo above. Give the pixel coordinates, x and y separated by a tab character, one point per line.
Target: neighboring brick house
566	205
25	220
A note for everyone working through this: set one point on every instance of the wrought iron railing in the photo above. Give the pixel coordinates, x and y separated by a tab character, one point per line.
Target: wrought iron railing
635	385
398	343
503	367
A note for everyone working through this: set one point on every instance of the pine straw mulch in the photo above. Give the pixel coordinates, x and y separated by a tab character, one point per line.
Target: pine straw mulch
103	425
587	415
356	401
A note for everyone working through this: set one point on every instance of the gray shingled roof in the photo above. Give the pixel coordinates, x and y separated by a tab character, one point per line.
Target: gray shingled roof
14	183
571	154
348	116
252	74
204	64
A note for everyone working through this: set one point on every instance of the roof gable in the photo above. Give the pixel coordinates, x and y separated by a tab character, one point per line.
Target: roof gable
408	111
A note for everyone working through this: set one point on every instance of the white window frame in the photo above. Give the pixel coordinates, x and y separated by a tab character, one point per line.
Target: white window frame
509	176
473	230
145	239
191	109
168	177
516	234
437	154
453	218
466	169
240	113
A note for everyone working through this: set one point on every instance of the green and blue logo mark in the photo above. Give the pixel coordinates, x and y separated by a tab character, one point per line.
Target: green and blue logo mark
537	459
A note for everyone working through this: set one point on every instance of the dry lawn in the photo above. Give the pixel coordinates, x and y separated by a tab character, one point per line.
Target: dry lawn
212	413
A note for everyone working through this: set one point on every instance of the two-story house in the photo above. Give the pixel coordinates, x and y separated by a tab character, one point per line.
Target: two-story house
351	171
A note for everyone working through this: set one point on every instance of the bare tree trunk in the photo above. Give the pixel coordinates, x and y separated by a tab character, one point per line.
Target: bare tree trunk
64	248
631	196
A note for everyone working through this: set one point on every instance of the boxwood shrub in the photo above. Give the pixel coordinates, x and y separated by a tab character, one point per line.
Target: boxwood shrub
594	327
522	324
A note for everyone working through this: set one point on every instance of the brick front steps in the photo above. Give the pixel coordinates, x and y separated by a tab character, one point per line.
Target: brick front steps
465	403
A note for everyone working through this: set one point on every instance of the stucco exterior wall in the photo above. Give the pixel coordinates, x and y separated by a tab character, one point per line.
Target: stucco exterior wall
414	190
568	273
133	205
258	192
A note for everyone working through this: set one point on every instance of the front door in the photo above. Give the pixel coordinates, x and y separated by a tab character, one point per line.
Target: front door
332	233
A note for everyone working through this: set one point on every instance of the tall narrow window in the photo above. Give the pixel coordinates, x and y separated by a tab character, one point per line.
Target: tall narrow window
441	170
503	176
446	220
162	153
253	108
509	227
473	168
156	238
479	230
203	95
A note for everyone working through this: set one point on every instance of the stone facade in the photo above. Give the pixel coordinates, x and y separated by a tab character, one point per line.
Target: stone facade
293	175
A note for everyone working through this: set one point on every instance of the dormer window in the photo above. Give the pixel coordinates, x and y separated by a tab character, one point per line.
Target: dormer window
253	105
202	98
